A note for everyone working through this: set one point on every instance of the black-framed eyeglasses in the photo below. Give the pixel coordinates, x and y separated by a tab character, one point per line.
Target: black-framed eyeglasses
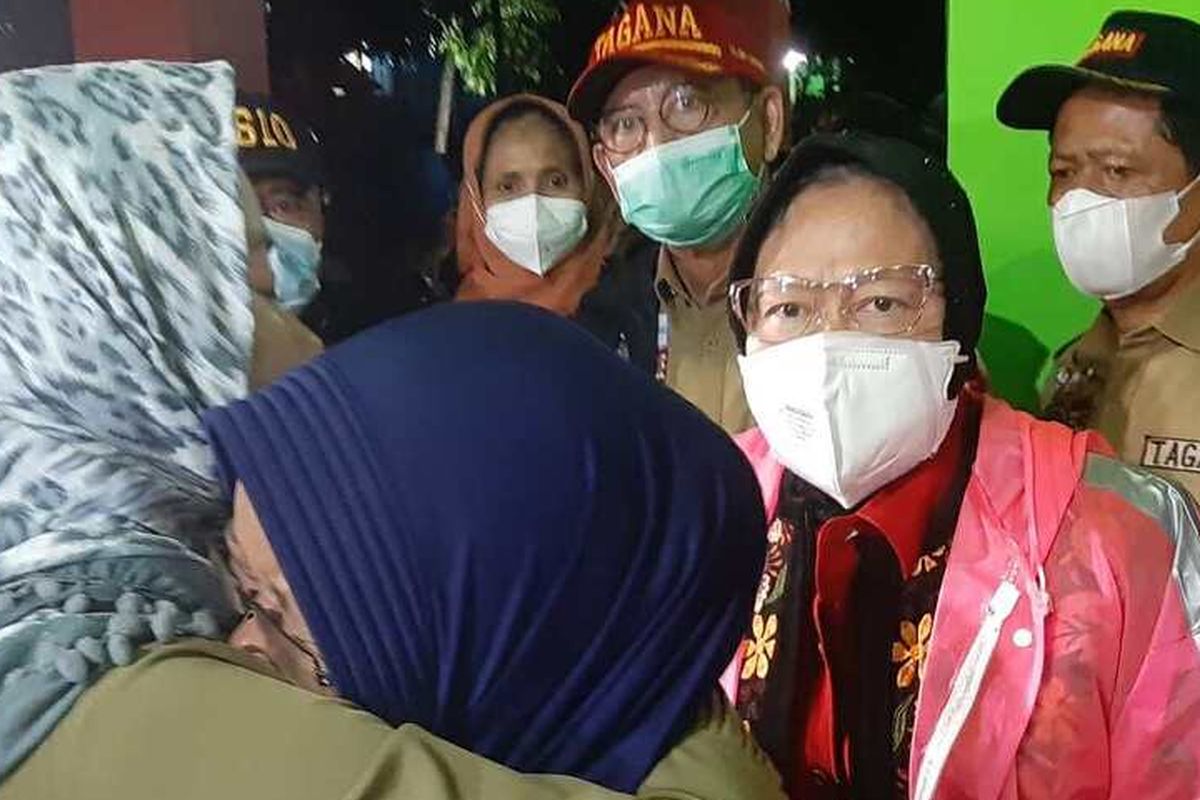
885	301
252	609
686	108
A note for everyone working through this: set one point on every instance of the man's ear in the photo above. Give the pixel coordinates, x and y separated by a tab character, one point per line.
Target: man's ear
775	122
600	159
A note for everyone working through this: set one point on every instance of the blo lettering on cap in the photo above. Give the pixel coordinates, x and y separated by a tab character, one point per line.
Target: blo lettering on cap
260	128
1116	43
653	26
1180	455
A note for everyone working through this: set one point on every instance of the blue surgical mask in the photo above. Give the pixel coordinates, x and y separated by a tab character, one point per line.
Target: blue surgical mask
294	257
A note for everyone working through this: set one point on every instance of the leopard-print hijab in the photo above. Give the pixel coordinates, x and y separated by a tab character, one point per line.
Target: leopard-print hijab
124	314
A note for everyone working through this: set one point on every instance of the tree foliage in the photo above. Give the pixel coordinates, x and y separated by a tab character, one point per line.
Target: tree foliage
468	39
819	78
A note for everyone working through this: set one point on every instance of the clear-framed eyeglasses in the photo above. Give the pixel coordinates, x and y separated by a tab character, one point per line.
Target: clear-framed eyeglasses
884	301
685	109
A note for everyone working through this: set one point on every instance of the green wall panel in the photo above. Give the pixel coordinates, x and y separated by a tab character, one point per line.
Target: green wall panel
1032	310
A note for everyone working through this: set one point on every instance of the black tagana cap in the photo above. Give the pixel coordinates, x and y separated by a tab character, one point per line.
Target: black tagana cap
1156	53
272	142
934	191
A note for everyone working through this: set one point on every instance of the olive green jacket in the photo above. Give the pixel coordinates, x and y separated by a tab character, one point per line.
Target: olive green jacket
202	721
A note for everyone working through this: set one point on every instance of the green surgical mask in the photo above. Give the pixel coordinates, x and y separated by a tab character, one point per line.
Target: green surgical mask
690	192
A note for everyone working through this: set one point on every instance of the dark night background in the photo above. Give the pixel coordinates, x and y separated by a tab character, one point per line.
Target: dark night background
378	141
898	49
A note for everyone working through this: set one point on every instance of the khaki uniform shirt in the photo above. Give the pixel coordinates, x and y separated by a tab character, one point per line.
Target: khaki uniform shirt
281	343
202	721
701	351
1140	390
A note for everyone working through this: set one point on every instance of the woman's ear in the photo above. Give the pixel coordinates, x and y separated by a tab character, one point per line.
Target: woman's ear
600	159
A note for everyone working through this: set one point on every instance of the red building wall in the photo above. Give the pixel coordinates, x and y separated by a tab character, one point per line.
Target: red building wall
183	30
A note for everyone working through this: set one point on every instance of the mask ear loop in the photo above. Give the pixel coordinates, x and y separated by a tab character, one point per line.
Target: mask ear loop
746	116
476	202
942	392
761	175
956	361
1191	188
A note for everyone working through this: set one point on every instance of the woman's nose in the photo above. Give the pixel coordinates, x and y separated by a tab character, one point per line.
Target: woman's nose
832	316
250	636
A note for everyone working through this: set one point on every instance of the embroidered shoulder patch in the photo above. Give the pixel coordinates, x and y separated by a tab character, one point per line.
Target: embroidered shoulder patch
1182	455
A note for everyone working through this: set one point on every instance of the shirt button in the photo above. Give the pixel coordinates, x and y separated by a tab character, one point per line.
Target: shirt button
1022	637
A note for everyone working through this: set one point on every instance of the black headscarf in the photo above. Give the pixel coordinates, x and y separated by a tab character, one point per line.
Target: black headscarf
933	190
941	201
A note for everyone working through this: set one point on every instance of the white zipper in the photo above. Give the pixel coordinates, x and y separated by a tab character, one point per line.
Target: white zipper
965	689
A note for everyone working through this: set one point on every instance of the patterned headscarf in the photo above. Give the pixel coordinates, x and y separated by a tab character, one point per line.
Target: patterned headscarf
124	314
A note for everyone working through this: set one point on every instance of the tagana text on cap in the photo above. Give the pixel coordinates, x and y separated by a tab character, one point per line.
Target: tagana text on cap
738	38
1139	50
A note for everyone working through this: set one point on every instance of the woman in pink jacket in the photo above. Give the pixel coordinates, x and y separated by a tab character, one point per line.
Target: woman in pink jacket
959	601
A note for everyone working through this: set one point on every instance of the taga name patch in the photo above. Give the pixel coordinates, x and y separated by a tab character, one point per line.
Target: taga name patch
1182	455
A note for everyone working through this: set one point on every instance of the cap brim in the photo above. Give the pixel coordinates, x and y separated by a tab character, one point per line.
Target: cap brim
265	165
587	97
595	85
1031	102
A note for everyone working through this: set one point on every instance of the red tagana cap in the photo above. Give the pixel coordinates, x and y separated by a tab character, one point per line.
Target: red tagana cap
738	38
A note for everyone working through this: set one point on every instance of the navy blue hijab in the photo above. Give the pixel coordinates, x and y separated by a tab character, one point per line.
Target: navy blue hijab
497	530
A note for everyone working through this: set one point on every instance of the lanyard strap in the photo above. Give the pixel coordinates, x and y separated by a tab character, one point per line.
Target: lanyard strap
664	346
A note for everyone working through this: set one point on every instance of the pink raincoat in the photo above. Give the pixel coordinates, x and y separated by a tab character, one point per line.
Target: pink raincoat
1065	655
